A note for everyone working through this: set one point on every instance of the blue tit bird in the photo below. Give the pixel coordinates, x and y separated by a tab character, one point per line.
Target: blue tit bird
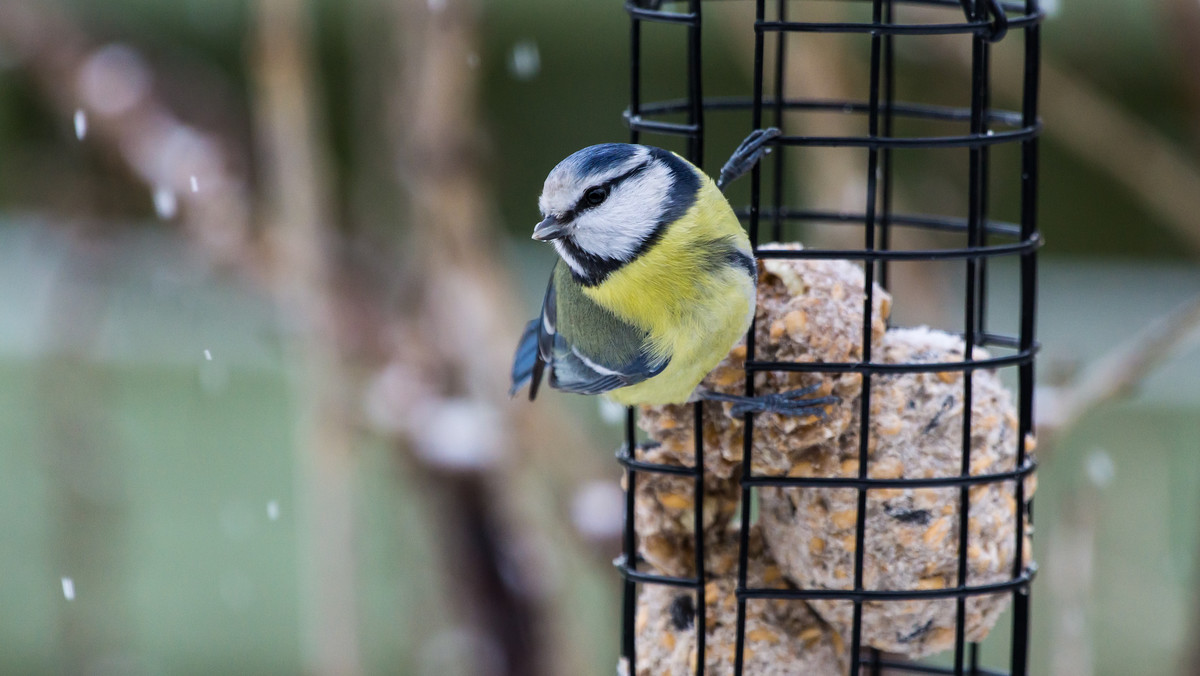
655	282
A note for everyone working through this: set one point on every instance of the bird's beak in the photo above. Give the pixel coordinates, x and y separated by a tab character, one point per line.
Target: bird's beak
549	229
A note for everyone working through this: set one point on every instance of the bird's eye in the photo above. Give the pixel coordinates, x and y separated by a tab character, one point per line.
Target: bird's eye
595	196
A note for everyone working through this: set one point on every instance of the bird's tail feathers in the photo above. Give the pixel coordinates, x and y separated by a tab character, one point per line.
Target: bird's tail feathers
526	366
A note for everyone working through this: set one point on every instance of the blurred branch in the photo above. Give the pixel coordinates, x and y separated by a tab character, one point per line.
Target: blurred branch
449	357
192	170
1117	373
1165	179
497	535
1073	546
1181	21
113	88
298	214
460	320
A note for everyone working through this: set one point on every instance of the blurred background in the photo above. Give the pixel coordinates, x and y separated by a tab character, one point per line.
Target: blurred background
263	262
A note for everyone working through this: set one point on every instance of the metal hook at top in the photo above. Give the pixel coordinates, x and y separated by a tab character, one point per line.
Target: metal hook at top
998	24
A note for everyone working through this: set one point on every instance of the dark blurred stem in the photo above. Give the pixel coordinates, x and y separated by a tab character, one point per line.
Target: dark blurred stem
461	315
297	213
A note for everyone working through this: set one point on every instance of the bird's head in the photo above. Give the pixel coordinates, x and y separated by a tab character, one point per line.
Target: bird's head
606	204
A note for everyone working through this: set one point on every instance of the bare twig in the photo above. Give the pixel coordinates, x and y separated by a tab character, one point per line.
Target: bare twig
112	86
463	312
1117	373
1166	180
464	331
468	318
1090	124
298	213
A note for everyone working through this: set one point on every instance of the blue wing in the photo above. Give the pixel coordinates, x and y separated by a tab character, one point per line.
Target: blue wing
593	353
527	363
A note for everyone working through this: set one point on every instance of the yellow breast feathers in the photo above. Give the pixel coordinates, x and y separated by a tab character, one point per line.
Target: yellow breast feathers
692	291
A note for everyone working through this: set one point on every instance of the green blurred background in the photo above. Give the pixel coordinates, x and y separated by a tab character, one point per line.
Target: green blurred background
218	451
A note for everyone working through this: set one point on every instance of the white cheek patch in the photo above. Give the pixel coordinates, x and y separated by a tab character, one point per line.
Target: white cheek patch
616	228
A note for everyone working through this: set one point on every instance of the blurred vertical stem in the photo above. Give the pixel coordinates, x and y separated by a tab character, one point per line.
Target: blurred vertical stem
296	214
501	537
87	492
460	310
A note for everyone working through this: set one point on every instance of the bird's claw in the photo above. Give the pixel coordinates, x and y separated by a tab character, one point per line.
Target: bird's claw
748	153
792	402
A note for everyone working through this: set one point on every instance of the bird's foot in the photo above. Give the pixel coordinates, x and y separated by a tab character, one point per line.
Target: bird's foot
792	402
747	155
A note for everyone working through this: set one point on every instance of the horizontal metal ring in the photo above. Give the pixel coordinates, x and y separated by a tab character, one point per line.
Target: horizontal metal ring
630	573
1019	582
974	252
917	221
1022	357
922	482
659	16
1015	131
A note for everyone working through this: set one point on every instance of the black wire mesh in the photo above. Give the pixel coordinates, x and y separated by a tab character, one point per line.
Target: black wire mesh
985	22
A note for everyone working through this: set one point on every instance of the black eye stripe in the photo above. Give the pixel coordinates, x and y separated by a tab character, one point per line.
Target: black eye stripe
608	186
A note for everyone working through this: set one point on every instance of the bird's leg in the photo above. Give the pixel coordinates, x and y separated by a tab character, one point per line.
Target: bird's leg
793	402
747	155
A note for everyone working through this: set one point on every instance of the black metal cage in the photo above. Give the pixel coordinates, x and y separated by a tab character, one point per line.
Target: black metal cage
983	23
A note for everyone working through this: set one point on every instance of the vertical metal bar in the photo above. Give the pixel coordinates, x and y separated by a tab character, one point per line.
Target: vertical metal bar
696	155
984	66
885	159
864	430
635	73
695	89
979	84
1019	661
780	95
756	123
629	597
698	532
739	652
885	233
